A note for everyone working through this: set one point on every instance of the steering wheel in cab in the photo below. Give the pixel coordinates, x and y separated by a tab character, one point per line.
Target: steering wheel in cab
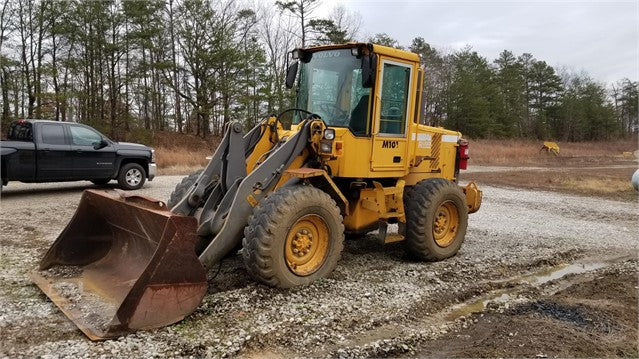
335	115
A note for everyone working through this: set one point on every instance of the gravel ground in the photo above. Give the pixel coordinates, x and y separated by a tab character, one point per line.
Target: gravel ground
376	303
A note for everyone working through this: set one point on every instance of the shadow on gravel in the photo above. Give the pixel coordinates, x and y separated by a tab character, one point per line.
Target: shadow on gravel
71	188
228	275
370	245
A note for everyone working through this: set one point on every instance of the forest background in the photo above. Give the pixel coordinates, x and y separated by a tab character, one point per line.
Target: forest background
135	69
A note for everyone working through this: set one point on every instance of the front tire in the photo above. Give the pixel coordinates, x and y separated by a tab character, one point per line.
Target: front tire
131	177
294	237
436	219
182	187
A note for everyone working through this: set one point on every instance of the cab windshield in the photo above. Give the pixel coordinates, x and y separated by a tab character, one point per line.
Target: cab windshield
331	86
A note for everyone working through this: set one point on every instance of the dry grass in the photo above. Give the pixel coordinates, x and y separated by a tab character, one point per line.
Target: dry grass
604	186
520	152
179	154
173	160
601	169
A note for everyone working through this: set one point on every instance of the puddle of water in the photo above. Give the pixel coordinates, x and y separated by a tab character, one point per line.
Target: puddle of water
562	271
478	306
505	295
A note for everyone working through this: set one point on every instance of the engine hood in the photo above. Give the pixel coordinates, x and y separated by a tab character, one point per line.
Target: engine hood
131	146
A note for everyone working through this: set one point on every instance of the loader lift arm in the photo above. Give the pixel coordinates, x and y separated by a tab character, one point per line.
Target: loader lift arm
226	190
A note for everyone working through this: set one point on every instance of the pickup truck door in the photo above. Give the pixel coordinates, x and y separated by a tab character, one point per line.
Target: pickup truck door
88	162
54	156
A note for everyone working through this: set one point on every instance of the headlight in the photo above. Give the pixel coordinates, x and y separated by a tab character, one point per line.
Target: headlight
152	156
329	134
326	146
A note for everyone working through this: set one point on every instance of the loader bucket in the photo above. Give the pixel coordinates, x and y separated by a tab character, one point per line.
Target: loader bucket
123	263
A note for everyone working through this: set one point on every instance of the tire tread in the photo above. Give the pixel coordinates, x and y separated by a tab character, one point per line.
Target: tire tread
182	187
421	201
261	231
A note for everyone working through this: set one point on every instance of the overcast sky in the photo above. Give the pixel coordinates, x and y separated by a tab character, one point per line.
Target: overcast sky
600	37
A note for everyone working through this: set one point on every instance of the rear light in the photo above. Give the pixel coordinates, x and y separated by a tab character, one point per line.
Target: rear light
463	154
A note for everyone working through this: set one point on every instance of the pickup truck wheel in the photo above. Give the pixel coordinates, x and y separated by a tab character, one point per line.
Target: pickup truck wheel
132	176
101	181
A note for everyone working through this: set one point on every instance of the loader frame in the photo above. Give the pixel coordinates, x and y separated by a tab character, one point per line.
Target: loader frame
230	192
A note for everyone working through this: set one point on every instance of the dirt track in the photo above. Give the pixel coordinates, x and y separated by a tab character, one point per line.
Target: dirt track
540	274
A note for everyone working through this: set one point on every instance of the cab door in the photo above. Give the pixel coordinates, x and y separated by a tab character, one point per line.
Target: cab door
55	158
89	162
392	108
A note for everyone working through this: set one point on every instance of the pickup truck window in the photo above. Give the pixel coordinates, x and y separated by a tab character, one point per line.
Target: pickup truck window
81	136
53	134
20	131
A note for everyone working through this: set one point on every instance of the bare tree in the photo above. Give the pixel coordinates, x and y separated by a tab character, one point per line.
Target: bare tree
347	21
6	13
278	36
303	11
175	77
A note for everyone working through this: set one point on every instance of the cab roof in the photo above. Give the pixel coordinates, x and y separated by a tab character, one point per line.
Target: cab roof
378	49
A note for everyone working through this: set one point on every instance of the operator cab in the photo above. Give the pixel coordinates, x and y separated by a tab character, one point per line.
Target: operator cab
372	90
336	83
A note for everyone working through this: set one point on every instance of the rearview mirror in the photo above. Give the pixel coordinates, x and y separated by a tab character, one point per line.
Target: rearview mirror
369	69
291	74
102	144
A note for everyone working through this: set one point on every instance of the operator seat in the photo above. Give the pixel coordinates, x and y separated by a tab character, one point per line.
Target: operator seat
359	116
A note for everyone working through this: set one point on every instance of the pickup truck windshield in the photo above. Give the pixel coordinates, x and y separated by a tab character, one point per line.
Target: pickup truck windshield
331	86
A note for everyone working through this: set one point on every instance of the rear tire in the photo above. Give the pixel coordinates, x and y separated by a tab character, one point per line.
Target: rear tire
294	237
182	187
132	176
436	219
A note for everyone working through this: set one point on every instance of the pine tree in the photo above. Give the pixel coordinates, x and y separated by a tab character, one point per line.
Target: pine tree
510	82
472	96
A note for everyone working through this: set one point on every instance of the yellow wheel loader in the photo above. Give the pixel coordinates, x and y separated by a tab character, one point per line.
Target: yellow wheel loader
354	160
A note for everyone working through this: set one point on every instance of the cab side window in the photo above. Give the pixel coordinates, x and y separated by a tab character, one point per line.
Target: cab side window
81	136
360	104
52	134
394	99
20	131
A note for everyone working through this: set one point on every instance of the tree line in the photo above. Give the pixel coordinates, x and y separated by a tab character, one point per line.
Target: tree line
130	68
520	96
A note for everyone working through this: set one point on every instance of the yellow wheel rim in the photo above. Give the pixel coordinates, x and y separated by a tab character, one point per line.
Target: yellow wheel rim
445	224
306	245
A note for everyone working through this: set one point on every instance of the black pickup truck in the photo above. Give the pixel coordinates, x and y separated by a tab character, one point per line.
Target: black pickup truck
51	151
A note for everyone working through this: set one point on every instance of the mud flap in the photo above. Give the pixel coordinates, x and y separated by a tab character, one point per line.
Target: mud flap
123	263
